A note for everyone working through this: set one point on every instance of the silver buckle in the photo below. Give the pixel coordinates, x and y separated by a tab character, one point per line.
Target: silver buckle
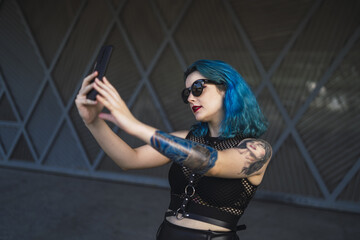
178	216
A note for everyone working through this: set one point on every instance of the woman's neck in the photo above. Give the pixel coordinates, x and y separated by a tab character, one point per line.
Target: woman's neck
215	123
214	131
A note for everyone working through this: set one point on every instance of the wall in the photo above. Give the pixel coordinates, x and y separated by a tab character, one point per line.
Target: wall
301	58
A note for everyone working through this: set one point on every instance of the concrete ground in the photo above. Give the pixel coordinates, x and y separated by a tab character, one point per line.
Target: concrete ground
39	206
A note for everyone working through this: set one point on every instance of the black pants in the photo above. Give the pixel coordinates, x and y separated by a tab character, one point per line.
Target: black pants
169	231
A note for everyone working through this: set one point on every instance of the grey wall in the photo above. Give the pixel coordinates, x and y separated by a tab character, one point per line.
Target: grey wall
301	58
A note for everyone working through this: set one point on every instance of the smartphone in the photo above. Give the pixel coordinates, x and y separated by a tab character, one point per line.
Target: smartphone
100	66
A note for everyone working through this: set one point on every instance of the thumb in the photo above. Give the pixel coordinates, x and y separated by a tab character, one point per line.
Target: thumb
108	117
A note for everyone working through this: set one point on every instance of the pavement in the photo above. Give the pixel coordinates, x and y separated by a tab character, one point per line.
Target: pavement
36	205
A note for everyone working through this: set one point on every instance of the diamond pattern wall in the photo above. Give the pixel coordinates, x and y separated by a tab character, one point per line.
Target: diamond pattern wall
300	57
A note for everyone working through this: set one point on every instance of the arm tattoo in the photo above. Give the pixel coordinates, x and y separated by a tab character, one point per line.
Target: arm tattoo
257	152
196	156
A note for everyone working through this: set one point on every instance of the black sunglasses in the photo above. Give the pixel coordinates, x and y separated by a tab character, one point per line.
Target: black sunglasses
196	88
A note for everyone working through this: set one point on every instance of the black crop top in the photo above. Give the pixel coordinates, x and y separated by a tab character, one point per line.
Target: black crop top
217	198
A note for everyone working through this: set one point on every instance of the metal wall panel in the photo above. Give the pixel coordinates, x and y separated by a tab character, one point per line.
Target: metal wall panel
301	58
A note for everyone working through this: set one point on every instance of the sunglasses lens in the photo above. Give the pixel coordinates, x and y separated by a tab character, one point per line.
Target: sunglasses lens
185	94
197	88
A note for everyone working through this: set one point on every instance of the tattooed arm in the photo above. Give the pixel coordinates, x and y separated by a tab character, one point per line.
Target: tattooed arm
249	159
196	156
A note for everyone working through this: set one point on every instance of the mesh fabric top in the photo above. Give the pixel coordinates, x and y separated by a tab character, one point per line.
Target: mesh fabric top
220	198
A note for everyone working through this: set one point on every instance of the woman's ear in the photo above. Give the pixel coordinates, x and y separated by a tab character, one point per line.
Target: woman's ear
221	90
222	93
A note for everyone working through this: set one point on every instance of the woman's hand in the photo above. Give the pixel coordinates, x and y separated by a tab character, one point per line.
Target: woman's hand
120	114
88	109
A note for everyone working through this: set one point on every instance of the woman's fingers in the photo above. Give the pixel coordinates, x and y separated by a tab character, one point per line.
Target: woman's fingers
108	93
84	101
107	83
105	102
86	89
109	97
106	86
81	97
103	92
88	79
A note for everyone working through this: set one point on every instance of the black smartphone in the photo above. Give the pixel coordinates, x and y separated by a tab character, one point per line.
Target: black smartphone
100	66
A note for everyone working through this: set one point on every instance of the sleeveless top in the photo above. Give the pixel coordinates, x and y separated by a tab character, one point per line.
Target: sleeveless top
223	199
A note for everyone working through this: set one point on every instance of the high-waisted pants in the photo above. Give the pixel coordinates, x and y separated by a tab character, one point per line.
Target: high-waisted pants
169	231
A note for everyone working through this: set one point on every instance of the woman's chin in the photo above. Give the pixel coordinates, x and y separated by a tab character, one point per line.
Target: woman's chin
200	118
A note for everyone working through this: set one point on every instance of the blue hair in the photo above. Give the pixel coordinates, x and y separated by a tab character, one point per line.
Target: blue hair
242	112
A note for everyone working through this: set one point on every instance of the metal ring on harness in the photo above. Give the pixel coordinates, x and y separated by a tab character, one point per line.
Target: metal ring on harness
192	188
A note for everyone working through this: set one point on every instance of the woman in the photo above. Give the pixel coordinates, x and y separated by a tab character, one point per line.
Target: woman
216	166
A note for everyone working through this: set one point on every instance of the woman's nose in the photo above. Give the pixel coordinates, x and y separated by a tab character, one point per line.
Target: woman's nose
191	97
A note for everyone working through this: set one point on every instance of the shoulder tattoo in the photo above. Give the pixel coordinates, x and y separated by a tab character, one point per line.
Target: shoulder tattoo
256	152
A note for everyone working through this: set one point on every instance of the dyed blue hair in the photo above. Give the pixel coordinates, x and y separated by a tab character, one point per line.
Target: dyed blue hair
242	114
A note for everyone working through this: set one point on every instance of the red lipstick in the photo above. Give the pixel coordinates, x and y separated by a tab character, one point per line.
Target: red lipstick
195	108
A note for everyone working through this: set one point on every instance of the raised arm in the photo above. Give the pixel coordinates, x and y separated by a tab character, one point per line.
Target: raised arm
124	155
118	150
